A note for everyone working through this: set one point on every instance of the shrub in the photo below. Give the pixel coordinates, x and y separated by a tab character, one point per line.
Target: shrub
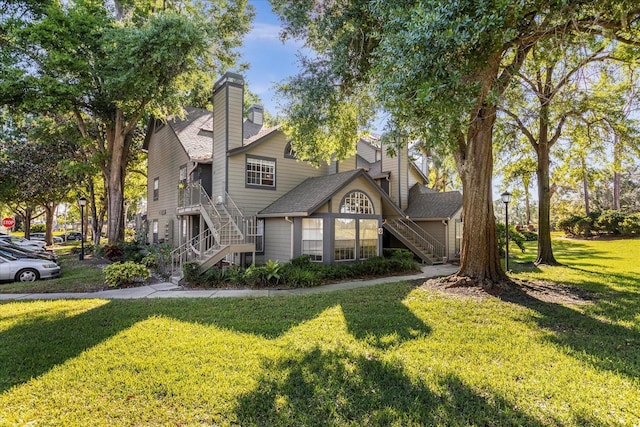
216	277
191	272
567	224
157	257
583	227
125	251
38	228
112	252
610	221
530	236
300	277
514	237
631	225
125	273
301	261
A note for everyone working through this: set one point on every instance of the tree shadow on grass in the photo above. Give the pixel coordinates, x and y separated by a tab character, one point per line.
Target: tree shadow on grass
593	340
331	388
32	348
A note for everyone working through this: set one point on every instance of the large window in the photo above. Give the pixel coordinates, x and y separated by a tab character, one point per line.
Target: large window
356	202
261	172
368	238
345	239
312	238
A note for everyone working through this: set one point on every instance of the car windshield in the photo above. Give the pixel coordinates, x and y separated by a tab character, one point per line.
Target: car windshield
8	257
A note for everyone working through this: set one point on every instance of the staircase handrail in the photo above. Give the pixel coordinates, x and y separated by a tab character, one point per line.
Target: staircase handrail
430	242
192	249
236	214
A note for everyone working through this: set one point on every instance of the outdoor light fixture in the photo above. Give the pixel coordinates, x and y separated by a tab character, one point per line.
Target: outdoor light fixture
506	198
82	202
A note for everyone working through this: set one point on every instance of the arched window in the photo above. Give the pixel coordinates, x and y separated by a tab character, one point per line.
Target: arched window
289	152
356	202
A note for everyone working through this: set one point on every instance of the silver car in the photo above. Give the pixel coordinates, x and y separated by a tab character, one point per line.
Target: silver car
27	269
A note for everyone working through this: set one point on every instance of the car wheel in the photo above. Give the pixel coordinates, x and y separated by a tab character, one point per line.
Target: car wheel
27	275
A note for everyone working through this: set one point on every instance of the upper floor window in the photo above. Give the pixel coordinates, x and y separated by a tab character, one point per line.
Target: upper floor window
356	202
261	172
289	152
156	188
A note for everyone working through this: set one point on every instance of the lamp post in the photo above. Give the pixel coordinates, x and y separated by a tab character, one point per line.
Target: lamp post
506	198
82	202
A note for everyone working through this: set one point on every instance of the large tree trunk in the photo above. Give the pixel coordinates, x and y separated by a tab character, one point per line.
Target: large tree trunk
479	257
545	250
117	141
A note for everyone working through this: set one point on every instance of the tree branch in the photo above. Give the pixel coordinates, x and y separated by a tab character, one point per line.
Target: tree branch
522	127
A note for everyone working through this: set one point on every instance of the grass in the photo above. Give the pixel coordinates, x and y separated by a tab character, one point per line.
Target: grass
387	355
76	276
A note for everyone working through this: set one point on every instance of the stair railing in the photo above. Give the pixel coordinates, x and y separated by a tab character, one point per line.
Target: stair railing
425	239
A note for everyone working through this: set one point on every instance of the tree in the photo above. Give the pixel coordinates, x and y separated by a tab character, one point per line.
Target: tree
439	69
32	167
110	68
521	169
549	91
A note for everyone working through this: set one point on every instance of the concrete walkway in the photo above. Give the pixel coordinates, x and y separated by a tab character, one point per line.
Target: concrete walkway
170	290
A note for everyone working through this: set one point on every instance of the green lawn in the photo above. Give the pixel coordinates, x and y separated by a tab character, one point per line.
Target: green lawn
387	355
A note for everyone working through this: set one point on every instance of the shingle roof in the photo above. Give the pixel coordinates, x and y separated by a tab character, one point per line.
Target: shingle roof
310	194
195	133
434	204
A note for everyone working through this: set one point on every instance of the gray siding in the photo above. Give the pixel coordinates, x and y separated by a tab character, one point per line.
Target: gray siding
277	240
399	177
227	129
289	173
367	151
165	156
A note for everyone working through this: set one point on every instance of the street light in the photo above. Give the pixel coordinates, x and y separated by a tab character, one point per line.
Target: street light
82	202
506	198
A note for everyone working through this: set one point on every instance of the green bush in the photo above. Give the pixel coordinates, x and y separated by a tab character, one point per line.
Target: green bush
125	251
530	236
191	272
583	227
216	277
630	226
610	221
514	237
38	228
567	224
300	277
125	273
157	257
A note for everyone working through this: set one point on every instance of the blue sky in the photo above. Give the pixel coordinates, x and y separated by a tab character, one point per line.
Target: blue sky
270	60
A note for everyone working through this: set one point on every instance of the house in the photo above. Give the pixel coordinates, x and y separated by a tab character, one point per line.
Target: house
225	188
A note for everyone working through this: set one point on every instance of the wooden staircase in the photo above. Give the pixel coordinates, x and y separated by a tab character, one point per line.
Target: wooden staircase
223	237
414	237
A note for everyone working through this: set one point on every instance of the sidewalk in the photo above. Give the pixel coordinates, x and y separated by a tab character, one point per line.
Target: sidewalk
170	290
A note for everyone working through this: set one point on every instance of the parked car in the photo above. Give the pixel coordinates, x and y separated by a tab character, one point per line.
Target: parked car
27	269
33	252
74	235
41	236
21	241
